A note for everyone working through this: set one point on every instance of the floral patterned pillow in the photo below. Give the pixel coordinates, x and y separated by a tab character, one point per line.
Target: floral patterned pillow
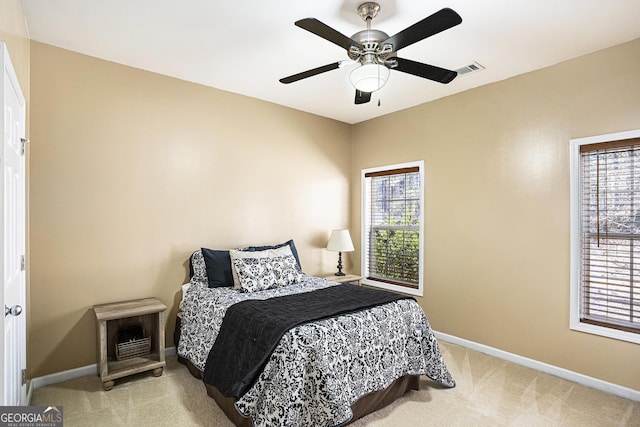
198	267
262	270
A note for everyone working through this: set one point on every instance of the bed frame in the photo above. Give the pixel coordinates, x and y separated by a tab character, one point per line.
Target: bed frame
362	407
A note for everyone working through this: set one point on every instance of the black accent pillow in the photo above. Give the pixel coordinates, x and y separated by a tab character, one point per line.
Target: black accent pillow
264	248
191	266
218	264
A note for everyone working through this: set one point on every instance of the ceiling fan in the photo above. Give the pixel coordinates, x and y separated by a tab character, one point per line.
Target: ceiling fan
376	51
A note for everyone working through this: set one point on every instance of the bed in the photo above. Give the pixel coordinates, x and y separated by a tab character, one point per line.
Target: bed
325	372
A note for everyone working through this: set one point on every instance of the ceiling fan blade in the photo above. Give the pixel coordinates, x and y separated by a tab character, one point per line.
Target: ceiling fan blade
326	32
431	72
362	97
433	24
309	73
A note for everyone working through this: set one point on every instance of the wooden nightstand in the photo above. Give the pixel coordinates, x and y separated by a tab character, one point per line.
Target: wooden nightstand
349	278
134	358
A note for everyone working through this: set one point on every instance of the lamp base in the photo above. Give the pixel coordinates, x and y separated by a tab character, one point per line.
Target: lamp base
339	273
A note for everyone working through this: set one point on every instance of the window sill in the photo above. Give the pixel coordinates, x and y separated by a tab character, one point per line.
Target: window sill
391	287
605	332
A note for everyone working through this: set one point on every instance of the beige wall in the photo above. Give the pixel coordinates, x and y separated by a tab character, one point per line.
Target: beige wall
497	204
132	171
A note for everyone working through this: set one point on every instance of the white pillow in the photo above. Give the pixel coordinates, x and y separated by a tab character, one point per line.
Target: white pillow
185	287
184	291
262	270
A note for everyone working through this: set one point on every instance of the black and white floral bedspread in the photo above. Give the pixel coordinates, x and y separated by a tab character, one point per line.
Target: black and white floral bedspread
319	362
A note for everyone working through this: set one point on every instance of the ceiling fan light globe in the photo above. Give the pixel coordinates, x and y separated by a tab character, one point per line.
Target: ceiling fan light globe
369	77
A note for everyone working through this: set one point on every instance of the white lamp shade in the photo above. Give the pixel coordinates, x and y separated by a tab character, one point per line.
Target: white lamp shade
340	241
369	77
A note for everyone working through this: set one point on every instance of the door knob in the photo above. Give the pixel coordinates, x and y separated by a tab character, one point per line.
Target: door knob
14	311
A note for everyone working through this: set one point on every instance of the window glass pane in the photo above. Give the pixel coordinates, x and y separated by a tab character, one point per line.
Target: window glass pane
380	212
413	212
397	186
397	212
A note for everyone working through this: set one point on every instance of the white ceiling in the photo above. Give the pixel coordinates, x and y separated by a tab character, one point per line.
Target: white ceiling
246	46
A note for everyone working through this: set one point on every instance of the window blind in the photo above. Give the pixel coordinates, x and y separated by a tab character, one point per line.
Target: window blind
393	255
610	234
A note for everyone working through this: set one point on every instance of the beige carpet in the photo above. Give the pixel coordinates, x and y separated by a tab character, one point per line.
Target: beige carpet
489	392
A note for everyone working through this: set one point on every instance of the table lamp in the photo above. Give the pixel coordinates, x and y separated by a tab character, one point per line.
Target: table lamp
340	241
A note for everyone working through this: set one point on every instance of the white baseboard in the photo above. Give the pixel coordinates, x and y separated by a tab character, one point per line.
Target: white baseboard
618	390
585	380
59	377
29	392
71	374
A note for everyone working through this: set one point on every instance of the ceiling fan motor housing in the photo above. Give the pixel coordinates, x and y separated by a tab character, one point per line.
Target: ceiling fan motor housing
372	51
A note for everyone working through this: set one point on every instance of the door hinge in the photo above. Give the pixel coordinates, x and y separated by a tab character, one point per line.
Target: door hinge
23	145
22	263
24	376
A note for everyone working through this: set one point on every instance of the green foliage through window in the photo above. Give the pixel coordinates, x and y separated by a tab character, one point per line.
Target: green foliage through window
396	255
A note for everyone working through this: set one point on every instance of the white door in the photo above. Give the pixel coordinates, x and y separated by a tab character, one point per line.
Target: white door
13	250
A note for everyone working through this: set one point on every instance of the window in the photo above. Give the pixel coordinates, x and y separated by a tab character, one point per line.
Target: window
605	235
392	227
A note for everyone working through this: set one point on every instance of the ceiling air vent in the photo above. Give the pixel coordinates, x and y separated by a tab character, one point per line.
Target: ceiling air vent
468	69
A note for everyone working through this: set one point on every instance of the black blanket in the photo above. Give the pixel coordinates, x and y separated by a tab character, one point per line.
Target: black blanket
252	329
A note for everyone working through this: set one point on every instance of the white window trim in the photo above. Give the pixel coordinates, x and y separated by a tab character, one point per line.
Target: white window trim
576	272
364	232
